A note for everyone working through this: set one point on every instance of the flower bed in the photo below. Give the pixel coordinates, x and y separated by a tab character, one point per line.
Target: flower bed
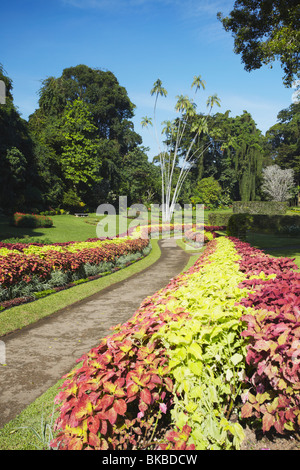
31	220
192	233
170	377
273	333
28	269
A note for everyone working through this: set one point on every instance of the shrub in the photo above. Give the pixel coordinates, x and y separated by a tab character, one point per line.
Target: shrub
122	395
26	269
58	278
208	191
31	220
238	224
177	369
260	207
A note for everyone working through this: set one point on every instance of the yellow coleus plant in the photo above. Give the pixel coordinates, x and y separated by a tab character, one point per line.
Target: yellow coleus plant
207	352
71	248
7	251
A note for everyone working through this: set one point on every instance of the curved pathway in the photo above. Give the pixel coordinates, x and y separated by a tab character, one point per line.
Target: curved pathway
40	354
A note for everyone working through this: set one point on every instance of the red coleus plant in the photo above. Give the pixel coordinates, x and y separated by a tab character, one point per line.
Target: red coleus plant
120	389
15	267
178	439
273	353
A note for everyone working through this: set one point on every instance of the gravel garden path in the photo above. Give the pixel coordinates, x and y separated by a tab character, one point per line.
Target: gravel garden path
39	355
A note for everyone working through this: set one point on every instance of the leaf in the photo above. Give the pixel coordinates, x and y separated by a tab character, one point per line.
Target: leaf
111	415
229	375
267	422
83	408
93	424
195	350
75	444
94	440
146	396
262	345
169	384
196	367
105	402
246	411
236	358
120	407
132	390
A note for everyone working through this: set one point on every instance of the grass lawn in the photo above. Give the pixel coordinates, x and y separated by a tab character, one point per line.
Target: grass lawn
276	245
65	228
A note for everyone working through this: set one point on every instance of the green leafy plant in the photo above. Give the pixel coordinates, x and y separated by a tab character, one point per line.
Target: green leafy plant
207	352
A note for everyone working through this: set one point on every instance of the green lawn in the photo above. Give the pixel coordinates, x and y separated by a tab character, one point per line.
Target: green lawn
276	245
65	228
70	228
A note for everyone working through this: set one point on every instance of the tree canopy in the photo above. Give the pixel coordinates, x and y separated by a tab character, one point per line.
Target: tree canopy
19	182
82	124
265	31
79	148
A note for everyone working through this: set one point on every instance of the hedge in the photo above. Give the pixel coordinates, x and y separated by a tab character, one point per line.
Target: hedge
216	218
260	207
238	224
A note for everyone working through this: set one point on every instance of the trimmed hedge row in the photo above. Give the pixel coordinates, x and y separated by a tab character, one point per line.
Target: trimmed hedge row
260	207
238	224
217	218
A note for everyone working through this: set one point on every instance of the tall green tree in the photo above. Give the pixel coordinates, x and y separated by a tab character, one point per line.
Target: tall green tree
265	31
110	112
79	159
242	157
140	178
232	151
284	140
19	183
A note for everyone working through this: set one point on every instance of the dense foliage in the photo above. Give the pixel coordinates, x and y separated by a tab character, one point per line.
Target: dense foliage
26	270
265	31
79	149
284	140
30	220
273	332
234	153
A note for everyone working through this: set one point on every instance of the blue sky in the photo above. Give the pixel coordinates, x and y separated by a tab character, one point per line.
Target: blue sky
139	41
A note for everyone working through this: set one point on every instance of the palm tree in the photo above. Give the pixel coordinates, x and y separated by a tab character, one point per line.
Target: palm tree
187	109
212	100
158	90
146	122
198	83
